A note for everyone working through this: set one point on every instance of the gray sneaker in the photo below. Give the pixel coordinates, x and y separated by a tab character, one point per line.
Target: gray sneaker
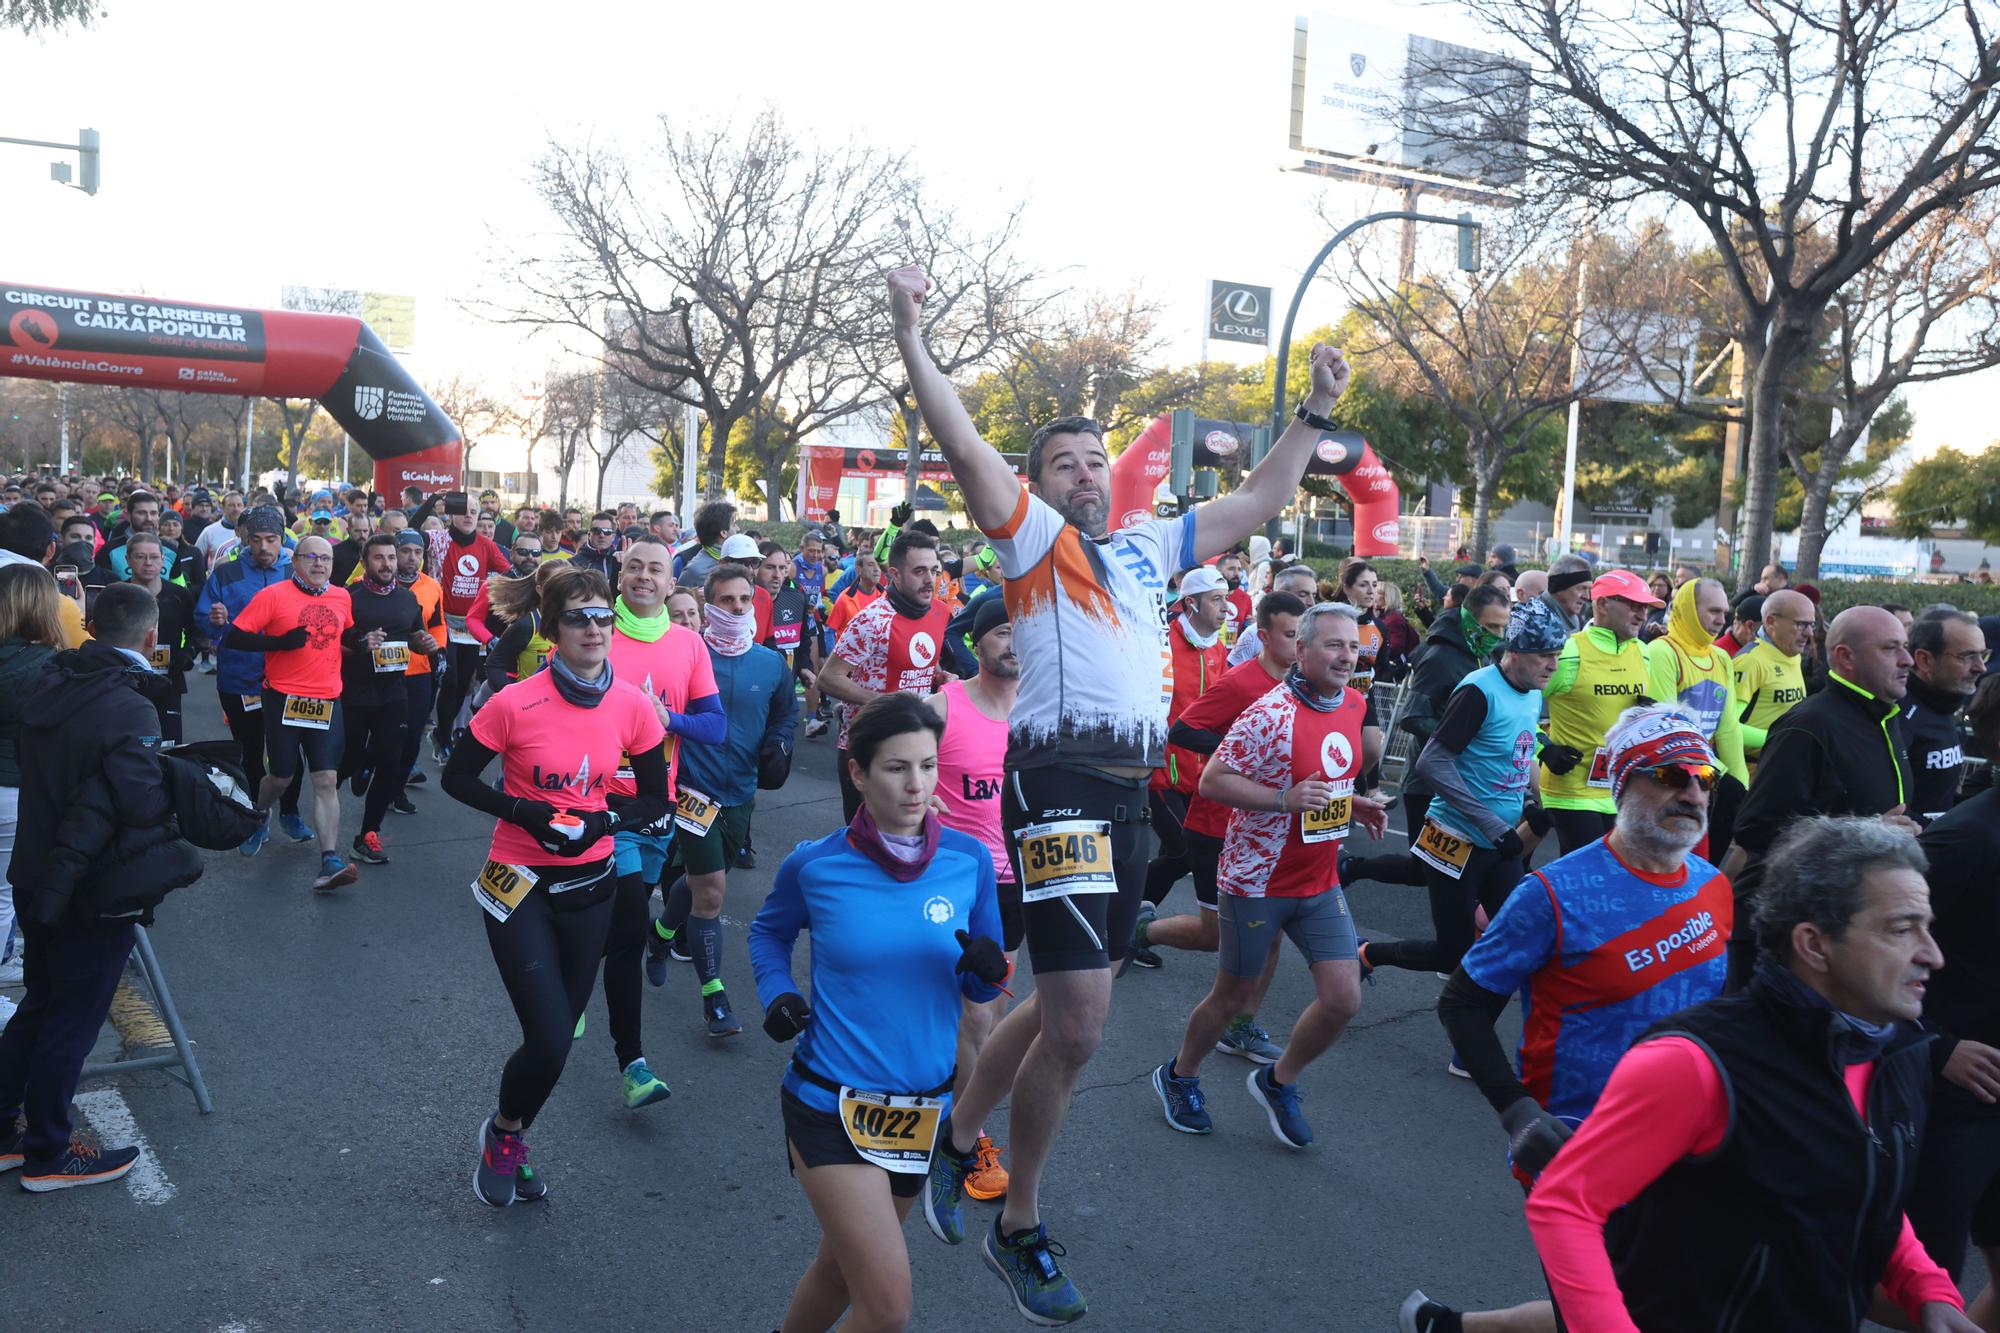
1140	954
1247	1041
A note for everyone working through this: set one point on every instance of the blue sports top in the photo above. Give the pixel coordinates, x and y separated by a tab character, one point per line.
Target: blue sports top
1497	761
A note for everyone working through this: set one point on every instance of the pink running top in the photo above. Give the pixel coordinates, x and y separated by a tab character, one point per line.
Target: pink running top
972	758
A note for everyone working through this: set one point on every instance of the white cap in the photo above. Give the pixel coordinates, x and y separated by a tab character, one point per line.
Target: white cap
740	547
1201	579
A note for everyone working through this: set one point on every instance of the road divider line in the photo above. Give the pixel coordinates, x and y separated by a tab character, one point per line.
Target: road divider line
111	1118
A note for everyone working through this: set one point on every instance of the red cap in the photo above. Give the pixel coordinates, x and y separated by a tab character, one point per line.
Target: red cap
1624	583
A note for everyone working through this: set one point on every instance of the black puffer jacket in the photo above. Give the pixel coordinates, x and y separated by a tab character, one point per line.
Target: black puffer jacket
95	813
21	664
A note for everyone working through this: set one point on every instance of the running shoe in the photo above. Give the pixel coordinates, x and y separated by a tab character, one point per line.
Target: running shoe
1142	955
294	825
987	1180
1181	1101
677	950
334	872
944	1191
11	1155
746	859
417	777
14	972
440	749
359	783
656	958
206	666
1281	1106
501	1157
1026	1262
1420	1314
402	806
258	837
1247	1041
83	1162
815	728
721	1020
368	847
1456	1068
529	1187
1361	957
642	1087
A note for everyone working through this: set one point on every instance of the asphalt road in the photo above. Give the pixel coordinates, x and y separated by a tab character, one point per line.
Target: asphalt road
352	1044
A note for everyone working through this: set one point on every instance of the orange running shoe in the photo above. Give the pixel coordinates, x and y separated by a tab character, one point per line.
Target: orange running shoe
987	1180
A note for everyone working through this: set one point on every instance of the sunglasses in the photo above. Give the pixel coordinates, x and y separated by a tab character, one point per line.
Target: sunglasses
579	616
604	532
527	552
1678	776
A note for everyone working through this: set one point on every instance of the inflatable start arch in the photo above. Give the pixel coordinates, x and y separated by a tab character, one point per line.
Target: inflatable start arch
51	333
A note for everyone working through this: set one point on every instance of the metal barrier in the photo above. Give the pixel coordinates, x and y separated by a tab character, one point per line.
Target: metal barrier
1399	752
180	1064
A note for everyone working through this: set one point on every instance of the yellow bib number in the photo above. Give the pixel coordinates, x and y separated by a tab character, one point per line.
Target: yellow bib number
895	1133
252	703
1442	849
1064	858
695	812
500	888
162	657
312	714
1328	824
393	656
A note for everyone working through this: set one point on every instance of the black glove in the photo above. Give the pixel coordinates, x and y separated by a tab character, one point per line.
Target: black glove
1533	1136
1510	846
293	638
902	513
597	824
982	957
785	1017
1559	759
1539	820
532	817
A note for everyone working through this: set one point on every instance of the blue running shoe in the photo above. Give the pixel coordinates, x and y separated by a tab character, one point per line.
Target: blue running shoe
255	842
1026	1262
501	1156
642	1086
656	957
334	872
1281	1106
294	825
944	1192
1181	1100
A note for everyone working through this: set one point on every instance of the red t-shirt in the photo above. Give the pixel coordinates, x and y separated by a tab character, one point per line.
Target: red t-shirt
1240	686
675	669
1238	600
312	672
762	601
1281	742
462	570
551	750
889	652
1196	672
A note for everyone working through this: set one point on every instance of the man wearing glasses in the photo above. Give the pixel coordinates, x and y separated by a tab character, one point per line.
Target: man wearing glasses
600	546
1950	656
1600	944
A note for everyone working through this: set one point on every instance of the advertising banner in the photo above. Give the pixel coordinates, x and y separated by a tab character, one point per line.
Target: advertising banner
1239	312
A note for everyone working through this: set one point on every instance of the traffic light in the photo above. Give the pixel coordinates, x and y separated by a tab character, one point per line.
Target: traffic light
87	153
1468	243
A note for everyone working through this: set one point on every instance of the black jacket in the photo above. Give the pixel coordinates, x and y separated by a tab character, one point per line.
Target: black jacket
1962	1000
90	716
1841	752
398	615
1937	749
1436	668
1787	1226
604	562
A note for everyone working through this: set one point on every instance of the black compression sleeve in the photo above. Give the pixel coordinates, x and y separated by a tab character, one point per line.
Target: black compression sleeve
1464	715
1192	738
507	650
1468	1011
462	783
252	642
649	773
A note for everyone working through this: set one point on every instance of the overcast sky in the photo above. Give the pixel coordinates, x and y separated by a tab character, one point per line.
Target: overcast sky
383	145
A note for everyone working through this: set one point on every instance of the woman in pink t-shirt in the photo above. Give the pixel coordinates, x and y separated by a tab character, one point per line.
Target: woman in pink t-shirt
546	886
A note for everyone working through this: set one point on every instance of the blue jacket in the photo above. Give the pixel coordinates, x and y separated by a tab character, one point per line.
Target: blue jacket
234	583
760	708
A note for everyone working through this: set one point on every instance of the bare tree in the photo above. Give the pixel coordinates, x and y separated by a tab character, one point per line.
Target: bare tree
627	410
473	407
1806	140
723	262
1085	353
567	418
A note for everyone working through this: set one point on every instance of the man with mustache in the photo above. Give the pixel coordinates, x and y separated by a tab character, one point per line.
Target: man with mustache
1600	944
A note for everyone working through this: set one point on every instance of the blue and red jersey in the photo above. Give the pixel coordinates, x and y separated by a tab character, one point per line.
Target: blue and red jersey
1600	951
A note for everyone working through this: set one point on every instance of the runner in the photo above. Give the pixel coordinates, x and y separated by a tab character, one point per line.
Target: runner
972	757
1768	680
1192	739
524	645
259	561
1684	666
1087	731
1749	1159
1294	752
670	663
298	625
893	645
173	651
905	927
1480	762
459	558
1947	656
1199	659
716	791
420	685
546	890
388	634
1302	582
1600	944
1600	673
783	609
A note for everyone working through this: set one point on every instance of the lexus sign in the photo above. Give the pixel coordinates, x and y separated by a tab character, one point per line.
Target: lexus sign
1239	313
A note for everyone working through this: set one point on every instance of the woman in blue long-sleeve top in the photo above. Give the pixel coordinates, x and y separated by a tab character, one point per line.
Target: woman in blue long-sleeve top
905	924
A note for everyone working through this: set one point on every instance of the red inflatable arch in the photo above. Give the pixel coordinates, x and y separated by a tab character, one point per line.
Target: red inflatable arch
51	333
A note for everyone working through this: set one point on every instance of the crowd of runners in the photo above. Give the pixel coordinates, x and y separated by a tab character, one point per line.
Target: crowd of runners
1749	1092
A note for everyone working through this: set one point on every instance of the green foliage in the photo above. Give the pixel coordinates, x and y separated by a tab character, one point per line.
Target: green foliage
1950	489
1634	454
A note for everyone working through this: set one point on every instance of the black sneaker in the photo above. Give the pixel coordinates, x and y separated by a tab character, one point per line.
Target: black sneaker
11	1155
401	805
722	1021
1420	1314
656	958
501	1157
83	1162
417	778
746	859
677	950
368	848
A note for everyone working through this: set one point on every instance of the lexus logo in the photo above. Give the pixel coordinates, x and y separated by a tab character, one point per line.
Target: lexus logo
1242	305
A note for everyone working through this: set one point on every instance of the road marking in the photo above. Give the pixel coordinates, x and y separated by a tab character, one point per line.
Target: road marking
107	1113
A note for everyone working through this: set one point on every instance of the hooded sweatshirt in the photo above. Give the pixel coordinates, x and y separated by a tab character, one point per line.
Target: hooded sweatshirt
1684	666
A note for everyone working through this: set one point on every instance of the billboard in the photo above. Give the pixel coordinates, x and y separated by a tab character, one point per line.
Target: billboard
1406	101
1239	312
